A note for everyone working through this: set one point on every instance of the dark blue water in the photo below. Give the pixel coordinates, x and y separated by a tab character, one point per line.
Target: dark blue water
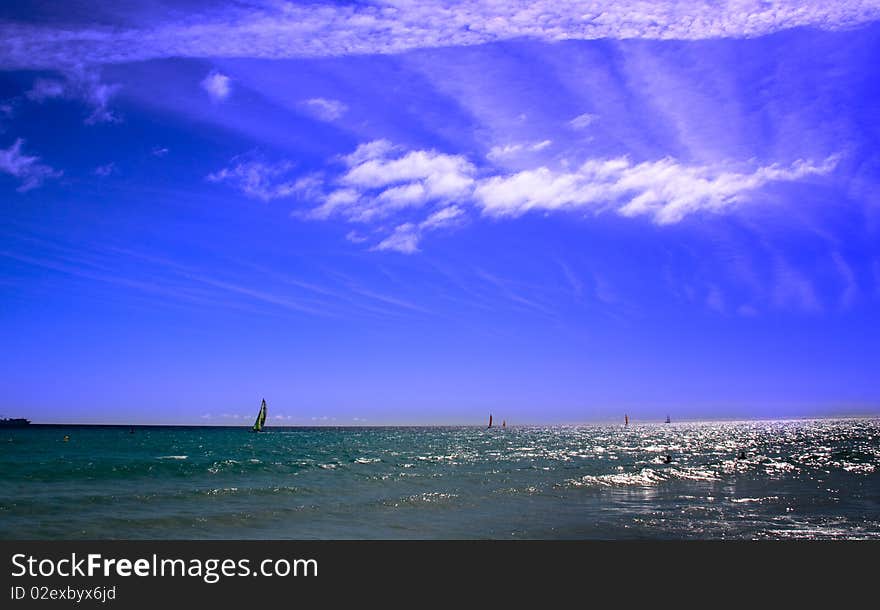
799	479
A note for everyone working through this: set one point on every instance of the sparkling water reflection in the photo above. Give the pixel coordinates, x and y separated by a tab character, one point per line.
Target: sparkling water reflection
790	479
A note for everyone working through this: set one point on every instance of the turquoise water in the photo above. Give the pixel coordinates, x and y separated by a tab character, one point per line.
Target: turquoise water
799	479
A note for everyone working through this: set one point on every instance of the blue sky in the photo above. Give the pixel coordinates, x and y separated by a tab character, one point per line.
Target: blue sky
423	212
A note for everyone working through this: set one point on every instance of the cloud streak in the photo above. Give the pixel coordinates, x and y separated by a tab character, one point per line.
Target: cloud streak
283	30
665	190
27	169
261	180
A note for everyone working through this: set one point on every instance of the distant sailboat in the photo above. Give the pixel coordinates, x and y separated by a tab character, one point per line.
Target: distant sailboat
503	423
261	418
490	421
668	420
625	419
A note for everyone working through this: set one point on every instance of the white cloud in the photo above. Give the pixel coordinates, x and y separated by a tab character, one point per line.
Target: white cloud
445	217
78	84
500	152
97	95
281	29
369	150
324	109
105	170
27	169
582	121
380	181
159	151
497	153
666	190
355	237
425	190
441	174
405	239
217	86
340	199
407	236
265	181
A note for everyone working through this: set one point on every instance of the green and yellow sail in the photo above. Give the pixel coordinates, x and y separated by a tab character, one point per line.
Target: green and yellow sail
261	418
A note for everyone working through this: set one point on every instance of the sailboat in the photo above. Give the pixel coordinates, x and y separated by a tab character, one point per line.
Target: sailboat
503	423
490	421
668	420
261	418
625	419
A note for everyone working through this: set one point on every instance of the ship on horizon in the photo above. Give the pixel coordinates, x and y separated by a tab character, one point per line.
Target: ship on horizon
14	422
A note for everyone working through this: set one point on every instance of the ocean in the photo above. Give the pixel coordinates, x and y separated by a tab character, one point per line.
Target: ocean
815	479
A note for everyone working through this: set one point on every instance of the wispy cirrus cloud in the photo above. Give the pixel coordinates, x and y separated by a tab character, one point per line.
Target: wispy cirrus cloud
847	277
46	89
27	169
793	288
81	84
262	180
7	111
280	30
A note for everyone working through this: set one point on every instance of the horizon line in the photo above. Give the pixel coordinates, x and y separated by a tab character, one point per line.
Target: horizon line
872	415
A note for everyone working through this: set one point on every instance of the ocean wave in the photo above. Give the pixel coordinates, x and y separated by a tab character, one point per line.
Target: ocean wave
646	476
426	498
751	500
